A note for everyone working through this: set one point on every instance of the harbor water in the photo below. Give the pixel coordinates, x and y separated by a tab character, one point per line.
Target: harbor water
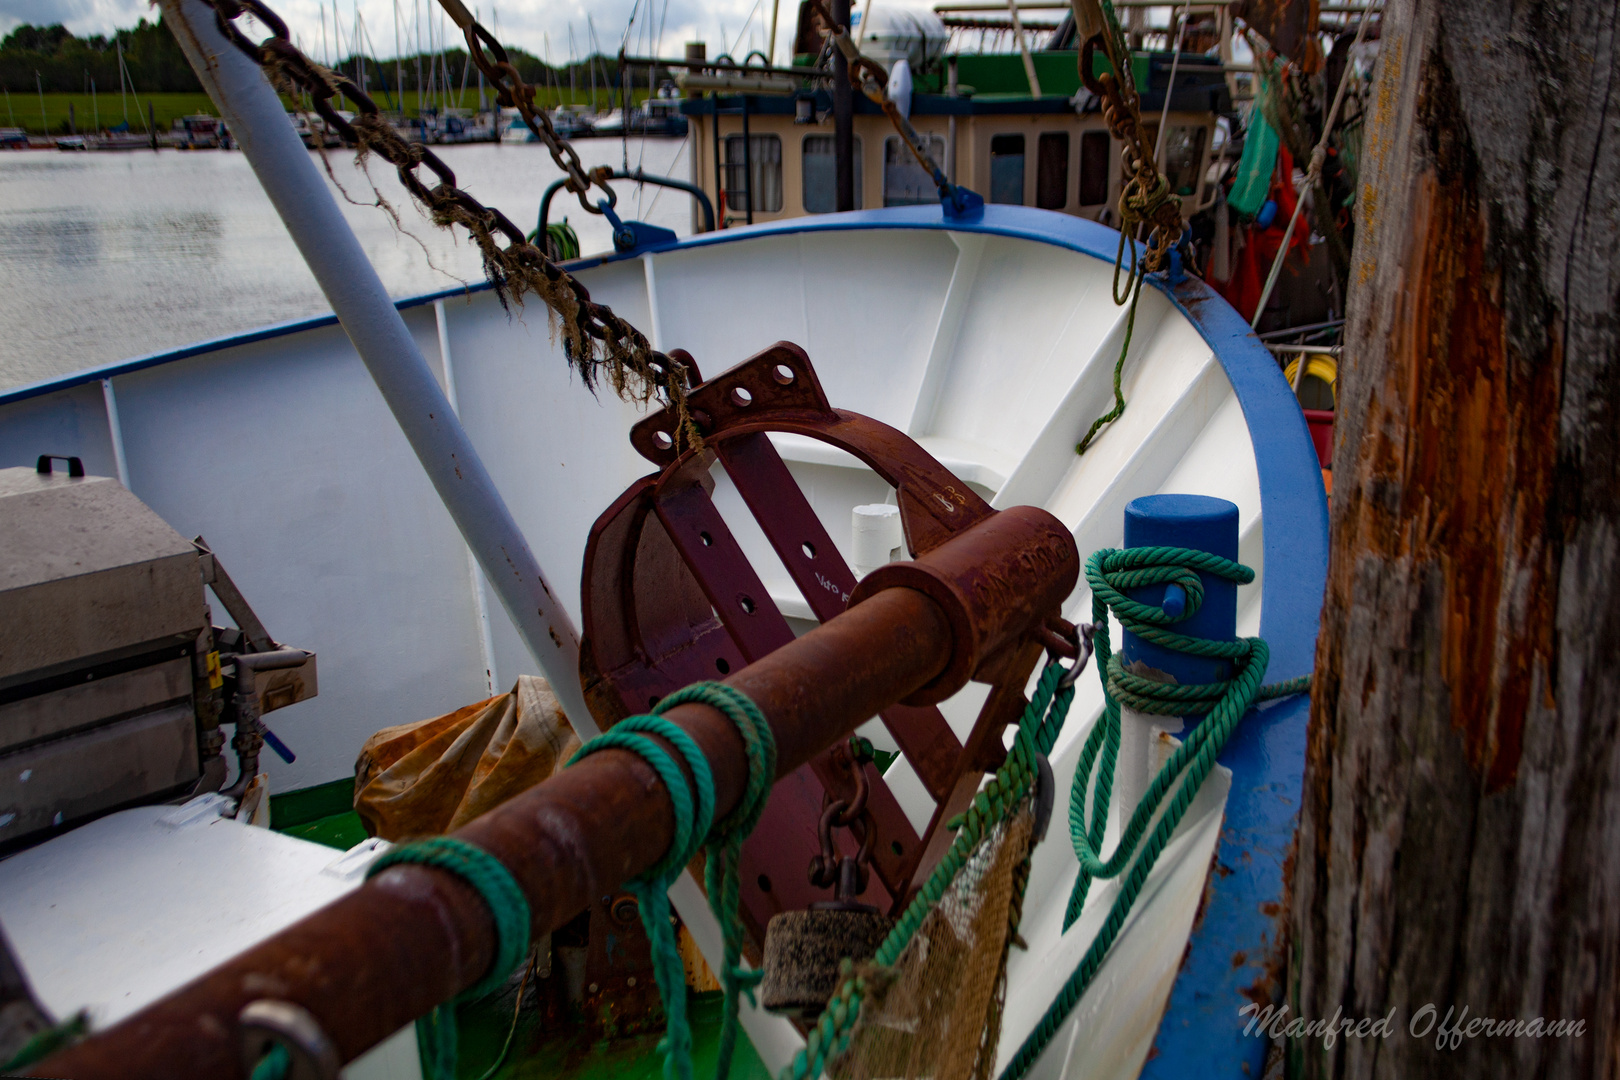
108	256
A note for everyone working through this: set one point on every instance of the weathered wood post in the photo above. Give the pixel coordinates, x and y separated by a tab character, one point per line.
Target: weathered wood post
1459	844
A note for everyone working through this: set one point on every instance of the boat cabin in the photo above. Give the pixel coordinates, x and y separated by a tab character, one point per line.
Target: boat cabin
774	152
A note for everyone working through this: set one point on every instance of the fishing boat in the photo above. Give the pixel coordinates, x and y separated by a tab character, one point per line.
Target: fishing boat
970	352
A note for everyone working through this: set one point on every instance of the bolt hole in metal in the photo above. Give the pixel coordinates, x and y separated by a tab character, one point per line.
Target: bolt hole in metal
809	549
721	666
746	603
764	883
662	440
894	846
741	397
783	374
708	541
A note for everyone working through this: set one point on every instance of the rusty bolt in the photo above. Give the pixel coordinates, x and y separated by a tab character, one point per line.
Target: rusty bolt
624	910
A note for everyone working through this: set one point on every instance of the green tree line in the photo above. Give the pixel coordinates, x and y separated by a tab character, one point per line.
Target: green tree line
52	59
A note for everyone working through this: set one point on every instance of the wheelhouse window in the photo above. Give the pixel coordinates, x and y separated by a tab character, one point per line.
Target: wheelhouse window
1094	154
1183	157
756	173
1007	169
1052	170
821	174
905	182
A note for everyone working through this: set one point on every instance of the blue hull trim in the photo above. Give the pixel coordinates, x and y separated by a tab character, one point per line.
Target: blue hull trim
1232	950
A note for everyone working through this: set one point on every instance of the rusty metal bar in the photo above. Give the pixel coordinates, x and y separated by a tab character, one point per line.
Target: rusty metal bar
379	957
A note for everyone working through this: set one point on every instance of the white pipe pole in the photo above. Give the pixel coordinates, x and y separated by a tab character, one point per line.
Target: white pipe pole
300	196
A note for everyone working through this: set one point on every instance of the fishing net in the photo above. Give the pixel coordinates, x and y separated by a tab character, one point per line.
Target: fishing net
936	1012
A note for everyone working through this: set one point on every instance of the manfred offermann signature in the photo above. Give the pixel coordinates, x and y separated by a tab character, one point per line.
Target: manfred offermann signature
1274	1022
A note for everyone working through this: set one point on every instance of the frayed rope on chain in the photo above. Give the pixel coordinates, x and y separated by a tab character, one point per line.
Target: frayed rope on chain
597	343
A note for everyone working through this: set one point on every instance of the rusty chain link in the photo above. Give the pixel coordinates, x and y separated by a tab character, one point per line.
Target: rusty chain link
512	92
597	343
1147	198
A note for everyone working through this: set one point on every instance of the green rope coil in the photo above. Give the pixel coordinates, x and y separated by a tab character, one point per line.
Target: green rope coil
1110	573
494	883
651	889
722	844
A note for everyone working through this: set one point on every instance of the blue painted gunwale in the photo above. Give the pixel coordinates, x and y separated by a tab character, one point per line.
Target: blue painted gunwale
1234	939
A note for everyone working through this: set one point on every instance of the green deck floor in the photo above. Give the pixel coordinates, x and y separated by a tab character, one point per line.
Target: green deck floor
324	814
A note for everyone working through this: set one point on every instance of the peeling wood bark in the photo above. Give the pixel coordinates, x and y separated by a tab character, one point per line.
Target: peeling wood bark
1459	842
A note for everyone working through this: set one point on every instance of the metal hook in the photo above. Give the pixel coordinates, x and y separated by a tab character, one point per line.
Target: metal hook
1084	646
310	1053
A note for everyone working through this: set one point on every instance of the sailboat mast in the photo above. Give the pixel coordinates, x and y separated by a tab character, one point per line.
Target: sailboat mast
123	99
399	64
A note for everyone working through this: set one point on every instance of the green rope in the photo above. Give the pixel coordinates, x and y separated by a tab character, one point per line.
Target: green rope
1109	573
722	844
436	1032
47	1042
274	1065
1133	286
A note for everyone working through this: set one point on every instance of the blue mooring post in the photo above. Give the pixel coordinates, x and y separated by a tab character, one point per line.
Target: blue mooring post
1187	521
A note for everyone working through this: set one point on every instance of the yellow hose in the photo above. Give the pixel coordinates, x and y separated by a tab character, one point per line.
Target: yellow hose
1321	366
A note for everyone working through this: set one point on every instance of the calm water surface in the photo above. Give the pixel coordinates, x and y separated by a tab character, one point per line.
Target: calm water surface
107	256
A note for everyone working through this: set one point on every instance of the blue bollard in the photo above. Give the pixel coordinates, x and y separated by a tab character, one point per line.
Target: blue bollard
1186	521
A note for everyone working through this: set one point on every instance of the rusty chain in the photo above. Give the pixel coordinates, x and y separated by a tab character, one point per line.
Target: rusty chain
512	92
597	343
1147	198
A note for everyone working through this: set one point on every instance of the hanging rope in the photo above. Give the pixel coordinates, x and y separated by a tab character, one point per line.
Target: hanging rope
1146	200
1313	173
651	890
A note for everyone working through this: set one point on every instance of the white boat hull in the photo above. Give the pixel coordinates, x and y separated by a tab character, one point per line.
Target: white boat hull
992	344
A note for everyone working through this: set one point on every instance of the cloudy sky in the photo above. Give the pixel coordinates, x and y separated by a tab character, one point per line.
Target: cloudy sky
744	24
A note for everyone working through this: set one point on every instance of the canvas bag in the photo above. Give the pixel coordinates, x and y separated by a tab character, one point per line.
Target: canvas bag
433	776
